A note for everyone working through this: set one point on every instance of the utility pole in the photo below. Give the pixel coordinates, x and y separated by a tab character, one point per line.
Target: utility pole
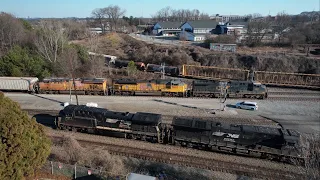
70	91
223	94
163	72
74	84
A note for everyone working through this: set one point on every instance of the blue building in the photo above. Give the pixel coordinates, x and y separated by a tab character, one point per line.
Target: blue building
221	29
166	28
197	30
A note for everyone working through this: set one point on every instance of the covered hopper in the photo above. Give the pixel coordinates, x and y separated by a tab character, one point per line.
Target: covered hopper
18	83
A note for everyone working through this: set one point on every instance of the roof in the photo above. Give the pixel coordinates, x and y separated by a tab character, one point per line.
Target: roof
203	24
169	24
249	102
191	122
146	118
238	23
261	129
134	176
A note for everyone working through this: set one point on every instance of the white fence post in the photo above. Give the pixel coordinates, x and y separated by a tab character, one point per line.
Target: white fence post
51	167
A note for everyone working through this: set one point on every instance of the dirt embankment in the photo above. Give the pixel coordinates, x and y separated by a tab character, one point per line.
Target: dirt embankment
260	59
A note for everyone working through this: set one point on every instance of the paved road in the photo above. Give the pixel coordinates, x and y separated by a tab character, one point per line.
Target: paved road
303	116
158	40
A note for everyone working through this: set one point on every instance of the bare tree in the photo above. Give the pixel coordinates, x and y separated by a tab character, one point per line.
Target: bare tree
11	31
69	63
204	16
311	153
75	30
96	62
257	31
114	13
282	24
99	15
50	40
169	14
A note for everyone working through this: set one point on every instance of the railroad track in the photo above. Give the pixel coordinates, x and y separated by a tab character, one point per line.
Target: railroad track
301	93
289	96
191	161
270	98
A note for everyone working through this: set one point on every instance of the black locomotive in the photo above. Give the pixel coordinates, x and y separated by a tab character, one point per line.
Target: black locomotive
208	134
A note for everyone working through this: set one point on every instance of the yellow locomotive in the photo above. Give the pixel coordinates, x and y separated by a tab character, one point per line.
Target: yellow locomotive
163	87
96	86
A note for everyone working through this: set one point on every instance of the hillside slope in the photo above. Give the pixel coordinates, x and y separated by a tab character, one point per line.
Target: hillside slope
128	48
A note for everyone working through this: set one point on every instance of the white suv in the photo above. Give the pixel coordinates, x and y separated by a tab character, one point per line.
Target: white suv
247	105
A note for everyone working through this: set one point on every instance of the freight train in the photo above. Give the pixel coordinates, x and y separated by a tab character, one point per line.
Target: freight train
141	66
194	132
161	87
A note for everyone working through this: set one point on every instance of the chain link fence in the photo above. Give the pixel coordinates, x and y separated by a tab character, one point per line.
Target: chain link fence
77	171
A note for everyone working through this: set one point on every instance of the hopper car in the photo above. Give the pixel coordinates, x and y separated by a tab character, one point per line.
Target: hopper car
193	132
20	84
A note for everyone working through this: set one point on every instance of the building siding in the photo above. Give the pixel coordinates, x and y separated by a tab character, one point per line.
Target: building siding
186	26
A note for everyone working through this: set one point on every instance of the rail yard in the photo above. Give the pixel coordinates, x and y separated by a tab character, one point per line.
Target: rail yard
291	108
182	94
279	109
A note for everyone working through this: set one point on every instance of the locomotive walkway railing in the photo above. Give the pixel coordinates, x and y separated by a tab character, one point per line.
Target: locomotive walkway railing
265	77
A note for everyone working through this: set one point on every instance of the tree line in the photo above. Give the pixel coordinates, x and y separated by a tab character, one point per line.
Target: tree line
169	14
44	49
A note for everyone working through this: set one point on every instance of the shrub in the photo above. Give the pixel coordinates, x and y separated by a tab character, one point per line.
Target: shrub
24	146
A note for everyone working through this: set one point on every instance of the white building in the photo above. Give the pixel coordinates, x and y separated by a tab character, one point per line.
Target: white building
226	18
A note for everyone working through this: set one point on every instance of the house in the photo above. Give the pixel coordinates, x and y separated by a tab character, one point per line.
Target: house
197	30
167	28
237	29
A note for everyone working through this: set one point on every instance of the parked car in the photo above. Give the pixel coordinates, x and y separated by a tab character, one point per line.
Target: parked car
247	105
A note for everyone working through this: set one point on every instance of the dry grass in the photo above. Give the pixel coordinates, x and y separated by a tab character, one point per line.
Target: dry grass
68	150
41	175
311	150
260	58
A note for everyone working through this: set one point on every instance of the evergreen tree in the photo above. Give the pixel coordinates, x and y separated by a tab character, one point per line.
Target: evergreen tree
24	146
132	68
